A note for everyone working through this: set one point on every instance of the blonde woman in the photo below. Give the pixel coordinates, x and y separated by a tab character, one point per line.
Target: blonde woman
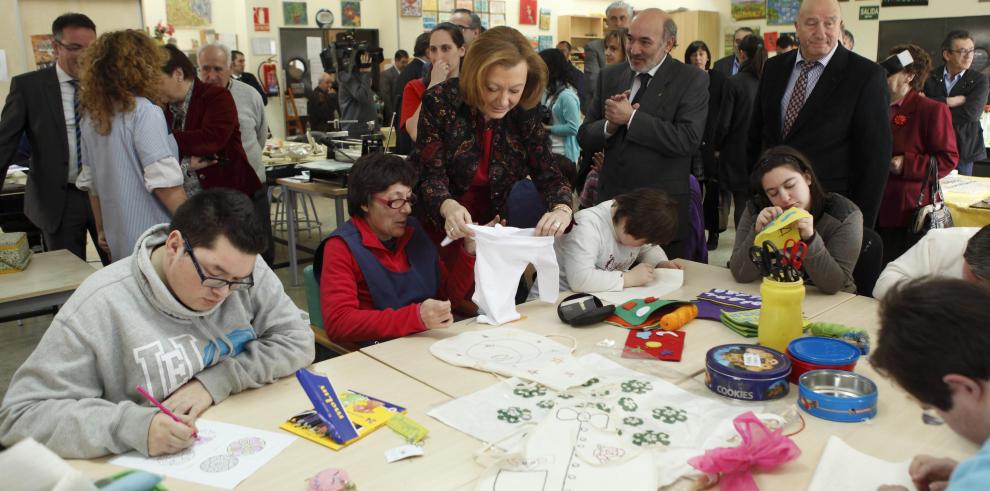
129	156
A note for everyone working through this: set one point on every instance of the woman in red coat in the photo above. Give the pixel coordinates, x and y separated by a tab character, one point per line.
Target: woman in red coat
922	129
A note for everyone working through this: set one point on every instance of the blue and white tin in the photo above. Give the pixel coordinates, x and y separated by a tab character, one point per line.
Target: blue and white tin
747	372
837	395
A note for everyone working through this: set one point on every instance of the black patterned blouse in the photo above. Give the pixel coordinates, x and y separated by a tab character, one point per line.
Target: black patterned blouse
448	152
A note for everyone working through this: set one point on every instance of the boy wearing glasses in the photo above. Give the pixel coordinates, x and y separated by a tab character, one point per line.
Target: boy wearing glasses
948	372
379	273
193	316
964	91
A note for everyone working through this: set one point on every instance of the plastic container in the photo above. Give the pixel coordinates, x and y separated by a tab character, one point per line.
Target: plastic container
837	395
780	313
815	353
747	372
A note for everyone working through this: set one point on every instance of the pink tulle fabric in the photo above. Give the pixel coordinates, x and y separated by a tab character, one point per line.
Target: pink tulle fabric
761	449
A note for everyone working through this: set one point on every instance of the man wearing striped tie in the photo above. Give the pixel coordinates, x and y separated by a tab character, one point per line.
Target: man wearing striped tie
43	105
832	105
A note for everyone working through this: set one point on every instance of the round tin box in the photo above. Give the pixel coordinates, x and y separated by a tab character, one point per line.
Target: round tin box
837	395
747	372
815	352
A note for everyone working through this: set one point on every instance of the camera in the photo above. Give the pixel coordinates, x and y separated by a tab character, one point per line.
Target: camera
345	54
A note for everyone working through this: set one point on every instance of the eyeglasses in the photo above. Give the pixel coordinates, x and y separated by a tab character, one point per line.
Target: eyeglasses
962	52
72	48
212	281
397	203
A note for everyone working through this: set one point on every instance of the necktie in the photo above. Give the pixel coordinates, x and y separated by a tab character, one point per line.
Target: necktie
644	80
75	111
797	96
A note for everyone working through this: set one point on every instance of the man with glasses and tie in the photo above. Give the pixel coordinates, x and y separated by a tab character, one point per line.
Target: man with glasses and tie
51	200
648	116
832	105
380	275
192	317
965	92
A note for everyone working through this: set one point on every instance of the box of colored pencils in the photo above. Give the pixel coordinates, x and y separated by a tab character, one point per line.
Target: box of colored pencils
338	418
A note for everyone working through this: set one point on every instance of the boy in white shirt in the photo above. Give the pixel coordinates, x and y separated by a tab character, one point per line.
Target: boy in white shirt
957	252
617	243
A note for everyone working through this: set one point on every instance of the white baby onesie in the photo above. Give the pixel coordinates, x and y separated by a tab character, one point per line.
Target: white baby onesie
502	255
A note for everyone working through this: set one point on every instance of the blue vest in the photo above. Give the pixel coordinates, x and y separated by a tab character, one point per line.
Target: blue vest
391	290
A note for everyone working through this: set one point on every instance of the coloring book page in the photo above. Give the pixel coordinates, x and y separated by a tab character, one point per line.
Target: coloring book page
223	456
665	280
843	468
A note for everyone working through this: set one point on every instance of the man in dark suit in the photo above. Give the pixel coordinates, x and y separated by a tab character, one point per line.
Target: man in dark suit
43	106
965	92
414	70
832	105
238	73
387	83
729	65
617	15
649	117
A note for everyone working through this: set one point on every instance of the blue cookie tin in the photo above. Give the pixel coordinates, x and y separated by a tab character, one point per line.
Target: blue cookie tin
747	372
837	395
815	352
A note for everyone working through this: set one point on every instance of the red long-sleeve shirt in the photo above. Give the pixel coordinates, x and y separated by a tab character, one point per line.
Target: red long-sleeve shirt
349	314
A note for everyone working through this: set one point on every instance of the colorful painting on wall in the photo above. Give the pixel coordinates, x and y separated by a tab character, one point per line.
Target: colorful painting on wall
350	13
413	8
544	19
527	12
294	13
189	13
749	9
782	12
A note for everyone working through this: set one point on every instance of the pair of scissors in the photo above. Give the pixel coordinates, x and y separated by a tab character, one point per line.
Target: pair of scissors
795	252
767	258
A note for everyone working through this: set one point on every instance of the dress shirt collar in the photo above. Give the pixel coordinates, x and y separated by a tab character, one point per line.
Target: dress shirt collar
63	76
949	78
823	60
651	71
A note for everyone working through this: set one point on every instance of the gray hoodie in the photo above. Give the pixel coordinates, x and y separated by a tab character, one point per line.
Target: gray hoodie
123	328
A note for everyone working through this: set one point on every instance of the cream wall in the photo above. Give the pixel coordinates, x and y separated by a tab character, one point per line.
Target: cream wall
28	17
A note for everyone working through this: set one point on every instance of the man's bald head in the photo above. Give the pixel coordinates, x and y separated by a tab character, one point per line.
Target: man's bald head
819	27
652	34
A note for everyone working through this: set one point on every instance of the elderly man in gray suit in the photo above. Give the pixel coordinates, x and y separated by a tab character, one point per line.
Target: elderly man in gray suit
617	15
649	117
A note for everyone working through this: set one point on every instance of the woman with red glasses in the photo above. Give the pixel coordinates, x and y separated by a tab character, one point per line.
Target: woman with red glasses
379	273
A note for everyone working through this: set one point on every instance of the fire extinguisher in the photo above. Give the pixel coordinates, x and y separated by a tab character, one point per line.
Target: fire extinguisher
267	74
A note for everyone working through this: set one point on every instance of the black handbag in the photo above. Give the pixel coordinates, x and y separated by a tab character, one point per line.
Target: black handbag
935	214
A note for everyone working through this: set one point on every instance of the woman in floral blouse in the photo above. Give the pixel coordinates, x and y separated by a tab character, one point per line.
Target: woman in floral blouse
480	135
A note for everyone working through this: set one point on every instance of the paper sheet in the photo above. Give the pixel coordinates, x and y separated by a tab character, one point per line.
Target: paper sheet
665	280
844	468
263	46
223	456
965	185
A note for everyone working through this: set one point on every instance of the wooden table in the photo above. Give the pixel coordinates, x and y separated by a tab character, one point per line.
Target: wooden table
446	464
48	281
411	354
316	188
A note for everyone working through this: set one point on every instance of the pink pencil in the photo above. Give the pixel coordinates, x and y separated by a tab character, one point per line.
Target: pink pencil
147	395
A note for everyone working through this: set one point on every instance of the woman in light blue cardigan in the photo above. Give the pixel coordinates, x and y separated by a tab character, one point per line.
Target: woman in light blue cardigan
563	104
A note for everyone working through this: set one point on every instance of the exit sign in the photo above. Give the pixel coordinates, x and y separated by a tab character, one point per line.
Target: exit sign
869	13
